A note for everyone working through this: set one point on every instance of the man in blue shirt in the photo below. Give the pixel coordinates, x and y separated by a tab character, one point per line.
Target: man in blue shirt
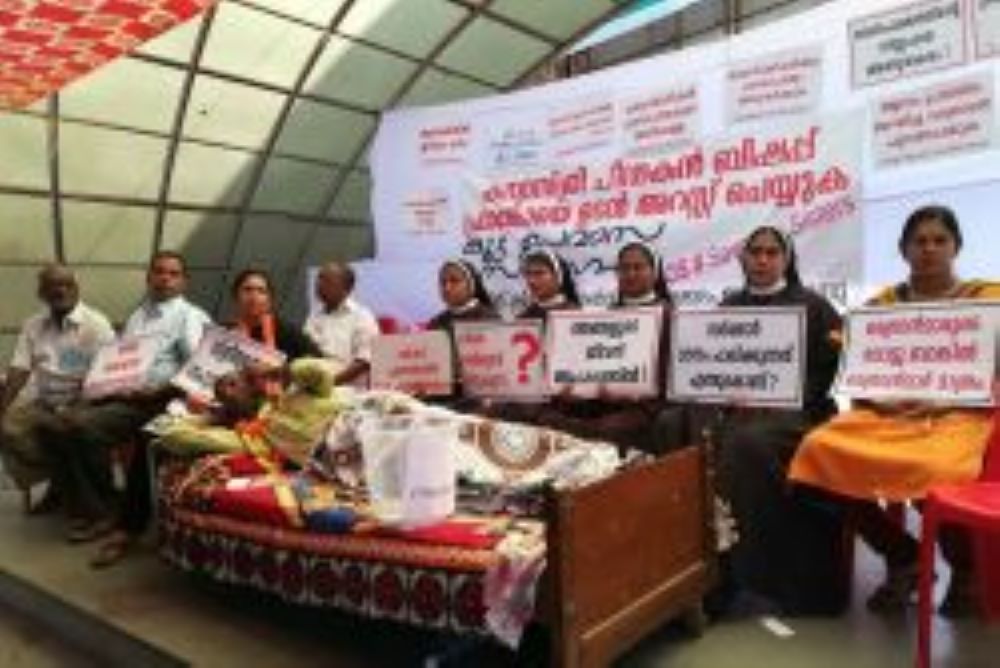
88	433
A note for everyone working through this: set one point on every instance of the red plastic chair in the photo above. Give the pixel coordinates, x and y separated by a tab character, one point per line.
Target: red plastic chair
976	506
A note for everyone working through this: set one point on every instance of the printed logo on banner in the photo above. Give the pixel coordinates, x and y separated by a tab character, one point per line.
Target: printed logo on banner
420	364
501	360
445	144
743	356
613	352
943	353
513	143
219	352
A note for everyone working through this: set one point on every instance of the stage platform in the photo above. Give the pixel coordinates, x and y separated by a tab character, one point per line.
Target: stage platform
57	611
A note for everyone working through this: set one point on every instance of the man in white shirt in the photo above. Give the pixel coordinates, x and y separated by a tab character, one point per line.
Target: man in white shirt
89	431
55	348
343	328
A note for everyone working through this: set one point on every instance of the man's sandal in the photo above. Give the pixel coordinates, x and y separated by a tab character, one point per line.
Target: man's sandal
111	551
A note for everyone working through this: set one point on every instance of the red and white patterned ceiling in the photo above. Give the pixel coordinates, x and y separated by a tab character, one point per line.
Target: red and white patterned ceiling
46	44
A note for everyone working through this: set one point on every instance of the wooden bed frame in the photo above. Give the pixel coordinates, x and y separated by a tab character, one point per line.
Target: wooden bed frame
626	554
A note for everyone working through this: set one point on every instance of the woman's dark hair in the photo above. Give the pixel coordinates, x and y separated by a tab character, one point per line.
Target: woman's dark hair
660	287
247	274
559	266
938	212
478	285
792	277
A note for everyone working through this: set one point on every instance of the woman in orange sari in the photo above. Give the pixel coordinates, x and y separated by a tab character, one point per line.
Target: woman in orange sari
253	295
896	451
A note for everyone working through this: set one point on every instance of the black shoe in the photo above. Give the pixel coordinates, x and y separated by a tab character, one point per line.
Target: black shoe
897	592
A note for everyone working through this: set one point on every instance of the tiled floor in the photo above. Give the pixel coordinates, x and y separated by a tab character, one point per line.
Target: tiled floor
208	625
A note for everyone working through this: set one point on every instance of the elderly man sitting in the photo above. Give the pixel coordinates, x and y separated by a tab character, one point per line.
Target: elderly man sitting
55	347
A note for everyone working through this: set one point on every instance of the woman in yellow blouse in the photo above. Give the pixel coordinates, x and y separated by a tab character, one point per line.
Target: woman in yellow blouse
895	452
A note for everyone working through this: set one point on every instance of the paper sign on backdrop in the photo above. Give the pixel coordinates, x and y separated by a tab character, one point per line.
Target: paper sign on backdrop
660	120
986	28
501	360
219	352
951	117
121	367
616	351
745	356
788	82
416	363
906	41
944	353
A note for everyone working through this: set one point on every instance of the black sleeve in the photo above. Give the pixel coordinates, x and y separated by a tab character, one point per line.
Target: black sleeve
295	343
439	321
823	352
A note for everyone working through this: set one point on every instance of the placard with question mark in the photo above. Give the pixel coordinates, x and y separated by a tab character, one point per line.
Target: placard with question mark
502	360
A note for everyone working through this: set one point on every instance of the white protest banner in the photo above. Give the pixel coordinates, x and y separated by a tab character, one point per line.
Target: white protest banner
416	363
986	28
955	116
121	367
501	359
943	353
746	356
613	351
490	178
787	82
914	39
219	352
801	175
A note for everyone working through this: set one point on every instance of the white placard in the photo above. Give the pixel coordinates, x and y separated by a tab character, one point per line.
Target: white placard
745	356
501	359
121	367
416	363
943	353
219	352
787	82
948	118
611	351
906	41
